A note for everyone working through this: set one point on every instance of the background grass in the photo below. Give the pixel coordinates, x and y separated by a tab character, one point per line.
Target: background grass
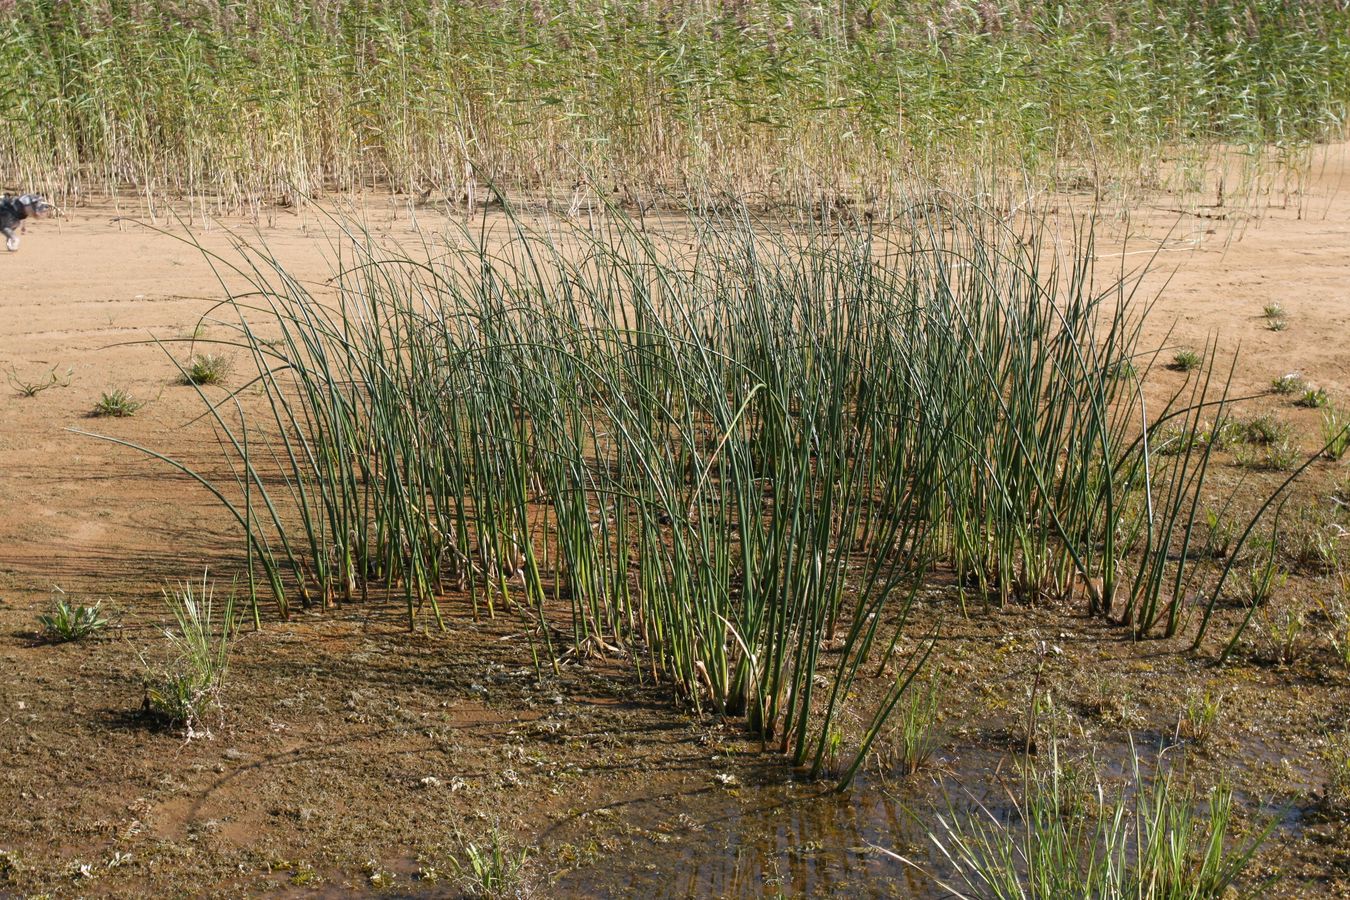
774	100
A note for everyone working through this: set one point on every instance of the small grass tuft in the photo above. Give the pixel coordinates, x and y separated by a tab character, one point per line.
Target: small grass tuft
1199	716
1220	532
117	403
1289	383
1174	440
1277	319
1335	432
914	739
1312	543
187	691
1264	578
1277	457
1115	704
1274	310
1340	492
1223	433
1336	613
1284	635
491	870
1265	429
207	368
1186	360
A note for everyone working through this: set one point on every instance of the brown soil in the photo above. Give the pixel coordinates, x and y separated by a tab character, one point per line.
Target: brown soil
354	757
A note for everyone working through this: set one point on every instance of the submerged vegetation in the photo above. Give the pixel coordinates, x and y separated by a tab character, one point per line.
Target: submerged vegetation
790	102
1073	838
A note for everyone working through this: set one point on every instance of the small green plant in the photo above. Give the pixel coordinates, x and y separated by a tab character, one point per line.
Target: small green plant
1115	704
28	388
834	745
493	871
379	878
1223	433
1174	440
1335	432
71	622
1265	430
1336	793
1336	611
1284	633
1313	398
117	403
1276	317
1280	457
914	739
1290	383
186	692
1311	543
1283	457
1187	360
1067	842
1221	532
1199	716
1123	370
207	368
1264	577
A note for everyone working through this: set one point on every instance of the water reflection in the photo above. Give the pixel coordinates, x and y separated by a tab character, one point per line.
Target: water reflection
784	837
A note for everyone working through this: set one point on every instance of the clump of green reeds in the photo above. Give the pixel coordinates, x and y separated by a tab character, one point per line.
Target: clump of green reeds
736	463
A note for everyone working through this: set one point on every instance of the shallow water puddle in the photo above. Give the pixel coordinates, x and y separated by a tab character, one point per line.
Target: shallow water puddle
786	837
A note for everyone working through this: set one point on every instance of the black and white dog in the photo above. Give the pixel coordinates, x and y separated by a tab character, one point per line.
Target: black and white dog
13	210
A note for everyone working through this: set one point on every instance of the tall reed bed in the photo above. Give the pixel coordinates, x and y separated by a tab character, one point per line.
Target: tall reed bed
734	455
246	101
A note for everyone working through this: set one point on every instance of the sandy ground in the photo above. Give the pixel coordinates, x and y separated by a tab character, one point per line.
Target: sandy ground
81	301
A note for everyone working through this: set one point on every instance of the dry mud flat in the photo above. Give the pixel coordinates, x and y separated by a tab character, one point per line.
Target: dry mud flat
355	757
